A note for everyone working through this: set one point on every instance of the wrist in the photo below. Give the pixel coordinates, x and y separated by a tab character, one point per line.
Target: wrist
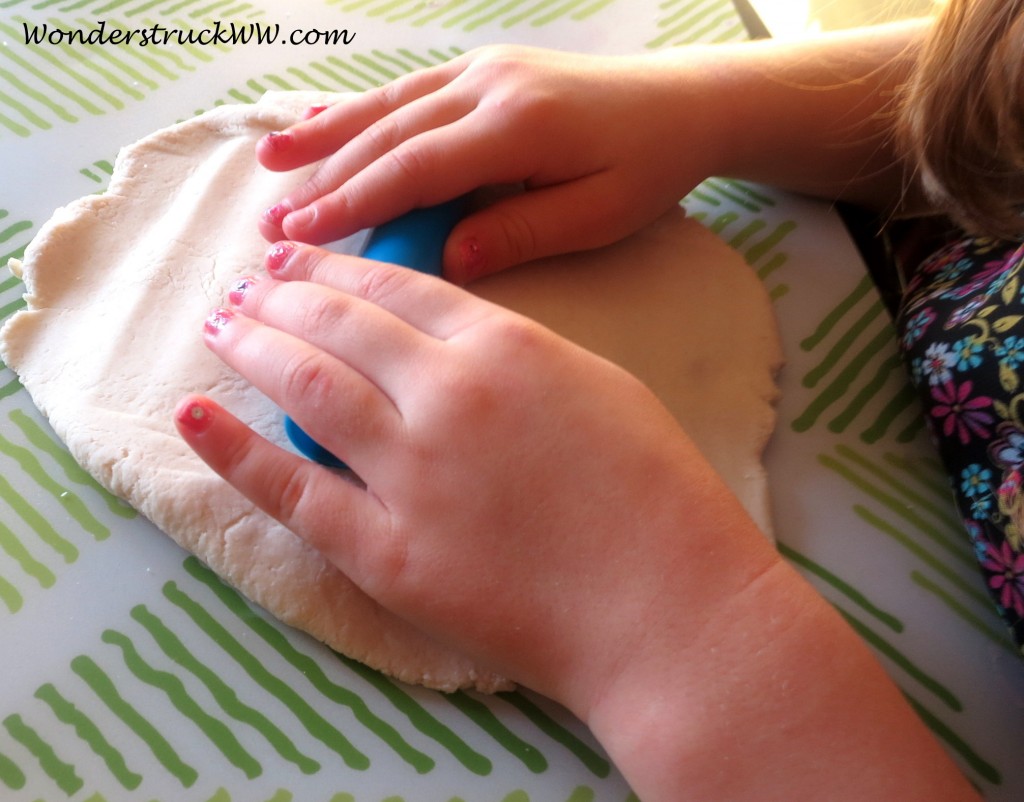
811	115
776	698
693	89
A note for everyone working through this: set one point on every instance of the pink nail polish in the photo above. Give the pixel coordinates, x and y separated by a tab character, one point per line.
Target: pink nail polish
275	214
312	111
278	254
278	140
218	320
238	290
195	416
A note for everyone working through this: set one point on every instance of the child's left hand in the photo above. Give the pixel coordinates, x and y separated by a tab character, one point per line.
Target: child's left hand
602	146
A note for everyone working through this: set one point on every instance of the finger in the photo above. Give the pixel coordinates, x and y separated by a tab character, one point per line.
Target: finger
314	110
562	218
431	305
308	219
322	133
339	407
368	338
298	493
424	170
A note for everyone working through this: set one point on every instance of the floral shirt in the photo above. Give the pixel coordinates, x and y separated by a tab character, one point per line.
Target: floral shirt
961	326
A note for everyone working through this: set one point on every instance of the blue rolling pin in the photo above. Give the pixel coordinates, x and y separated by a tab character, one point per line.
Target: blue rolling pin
415	240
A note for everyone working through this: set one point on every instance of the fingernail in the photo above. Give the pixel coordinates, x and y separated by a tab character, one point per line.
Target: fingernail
218	319
275	214
278	140
278	253
471	258
238	290
194	416
312	111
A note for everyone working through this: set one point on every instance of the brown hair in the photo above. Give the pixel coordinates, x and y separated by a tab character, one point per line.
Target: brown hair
962	115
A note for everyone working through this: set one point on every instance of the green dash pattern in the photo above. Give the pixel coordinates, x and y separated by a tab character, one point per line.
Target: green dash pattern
687	21
315	724
75	506
102	685
484	717
62	773
219	735
421	719
44	442
49	84
469	15
225	696
10	774
87	731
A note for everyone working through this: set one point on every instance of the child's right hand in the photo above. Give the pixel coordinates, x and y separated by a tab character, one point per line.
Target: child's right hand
534	507
595	142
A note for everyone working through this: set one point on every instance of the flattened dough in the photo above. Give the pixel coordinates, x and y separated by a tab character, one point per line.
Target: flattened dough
118	287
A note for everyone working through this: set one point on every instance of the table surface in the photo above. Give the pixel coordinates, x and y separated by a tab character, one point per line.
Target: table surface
786	18
158	683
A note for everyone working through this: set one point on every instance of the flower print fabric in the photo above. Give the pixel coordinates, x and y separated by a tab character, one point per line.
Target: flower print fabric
961	327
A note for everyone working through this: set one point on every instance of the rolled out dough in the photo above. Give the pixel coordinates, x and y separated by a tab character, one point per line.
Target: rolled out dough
119	284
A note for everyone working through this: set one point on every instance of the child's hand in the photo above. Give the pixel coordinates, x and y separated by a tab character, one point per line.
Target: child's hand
601	145
526	501
537	509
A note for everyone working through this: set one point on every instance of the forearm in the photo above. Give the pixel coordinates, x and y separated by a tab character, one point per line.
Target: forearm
602	145
813	116
779	700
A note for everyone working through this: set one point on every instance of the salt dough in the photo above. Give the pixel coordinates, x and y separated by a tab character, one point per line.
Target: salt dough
119	284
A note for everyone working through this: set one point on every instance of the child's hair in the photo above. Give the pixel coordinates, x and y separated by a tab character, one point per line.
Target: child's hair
961	116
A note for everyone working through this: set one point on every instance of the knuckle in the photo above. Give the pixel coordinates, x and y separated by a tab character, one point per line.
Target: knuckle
389	566
387	97
280	489
522	337
516	233
410	163
470	395
383	134
382	282
287	494
507	72
499	60
359	418
306	379
321	315
520	352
